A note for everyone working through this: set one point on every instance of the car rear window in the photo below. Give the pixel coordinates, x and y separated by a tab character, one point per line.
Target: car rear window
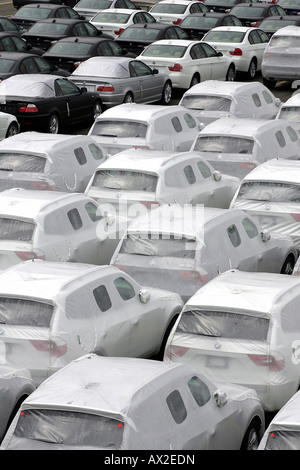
94	4
253	12
284	41
164	50
224	36
6	65
13	229
283	440
120	129
199	21
269	191
273	24
70	48
22	162
206	102
224	324
48	28
224	144
122	180
159	245
70	428
107	17
27	12
25	312
290	113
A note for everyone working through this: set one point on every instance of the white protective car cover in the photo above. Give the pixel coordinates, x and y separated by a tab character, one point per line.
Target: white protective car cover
29	85
129	390
106	67
69	163
290	111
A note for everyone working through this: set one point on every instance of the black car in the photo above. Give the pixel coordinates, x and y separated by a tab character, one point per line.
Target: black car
197	24
10	42
223	5
44	32
271	24
47	103
136	37
7	25
252	14
20	63
27	15
291	7
19	3
67	52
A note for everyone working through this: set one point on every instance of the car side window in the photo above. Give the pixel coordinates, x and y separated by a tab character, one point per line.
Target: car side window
254	38
43	65
250	228
256	100
90	30
93	212
228	21
75	219
292	134
124	288
62	13
140	68
268	98
263	36
176	124
171	33
79	30
19	44
7	45
113	47
96	152
80	156
191	123
67	87
176	406
102	298
197	52
280	139
189	174
120	4
209	50
203	168
8	25
234	235
148	18
139	18
195	8
180	33
29	66
199	390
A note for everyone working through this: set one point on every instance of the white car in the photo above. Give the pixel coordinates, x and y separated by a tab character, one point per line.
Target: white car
244	45
119	403
290	111
114	20
53	162
174	11
52	313
184	247
55	226
8	125
214	99
188	62
271	195
148	126
89	8
16	384
136	180
235	146
243	328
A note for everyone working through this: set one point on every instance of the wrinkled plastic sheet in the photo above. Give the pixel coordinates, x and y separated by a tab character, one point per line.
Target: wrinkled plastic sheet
101	67
26	88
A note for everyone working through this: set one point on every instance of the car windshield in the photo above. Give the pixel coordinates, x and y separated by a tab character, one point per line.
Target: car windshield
269	191
168	8
165	51
271	24
6	65
125	180
284	41
48	28
241	325
25	312
199	21
281	439
107	17
206	102
122	129
225	36
14	229
290	113
219	2
37	13
142	34
70	48
159	245
253	12
94	4
70	428
224	144
22	162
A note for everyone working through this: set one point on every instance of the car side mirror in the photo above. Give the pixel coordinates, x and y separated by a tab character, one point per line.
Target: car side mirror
83	89
265	236
154	71
109	218
220	397
144	296
29	46
277	102
217	175
220	54
82	17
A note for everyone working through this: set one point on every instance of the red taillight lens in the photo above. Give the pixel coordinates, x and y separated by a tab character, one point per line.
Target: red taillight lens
29	108
105	87
175	68
178	21
123	268
119	31
43	185
265	360
255	24
194	276
296	217
174	351
51	347
150	204
248	166
237	51
27	255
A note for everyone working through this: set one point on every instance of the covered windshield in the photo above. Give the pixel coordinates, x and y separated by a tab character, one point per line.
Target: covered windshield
110	128
70	428
25	312
269	191
284	41
14	229
206	102
283	440
125	180
164	50
22	162
290	113
161	245
224	144
224	324
224	36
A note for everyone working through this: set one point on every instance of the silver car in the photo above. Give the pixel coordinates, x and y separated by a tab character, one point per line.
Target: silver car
122	80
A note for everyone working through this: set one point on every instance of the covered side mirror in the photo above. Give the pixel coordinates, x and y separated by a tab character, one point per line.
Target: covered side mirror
265	236
217	175
144	296
220	397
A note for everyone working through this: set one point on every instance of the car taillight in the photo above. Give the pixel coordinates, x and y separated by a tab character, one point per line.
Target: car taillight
50	346
105	87
29	108
267	55
175	68
76	64
248	166
150	204
123	268
266	360
296	217
26	255
194	276
43	185
119	31
237	51
255	24
174	351
178	21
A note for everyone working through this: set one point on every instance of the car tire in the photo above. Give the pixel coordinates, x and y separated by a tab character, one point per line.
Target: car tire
161	352
252	69
269	83
251	437
97	109
230	77
166	93
288	265
195	80
13	129
53	124
128	98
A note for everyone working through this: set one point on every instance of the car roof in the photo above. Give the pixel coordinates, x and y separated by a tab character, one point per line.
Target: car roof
140	112
289	30
106	384
32	77
242	29
50	6
252	291
50	278
224	88
242	126
16	55
294	100
283	170
84	39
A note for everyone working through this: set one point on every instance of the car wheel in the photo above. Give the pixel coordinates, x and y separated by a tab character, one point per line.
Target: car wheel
230	77
251	438
288	265
167	93
13	129
195	80
161	352
53	124
128	98
97	109
252	69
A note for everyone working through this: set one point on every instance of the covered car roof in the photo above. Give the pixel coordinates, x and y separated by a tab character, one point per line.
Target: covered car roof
110	67
241	126
278	169
290	30
34	85
218	87
139	112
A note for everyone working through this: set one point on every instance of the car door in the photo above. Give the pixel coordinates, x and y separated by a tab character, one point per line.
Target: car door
77	103
258	45
149	84
200	62
219	64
